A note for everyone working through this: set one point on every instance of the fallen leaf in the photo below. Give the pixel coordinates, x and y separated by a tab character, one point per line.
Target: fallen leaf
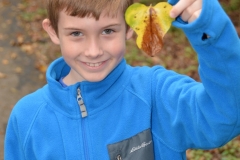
1	37
41	68
5	62
13	55
2	75
13	90
20	39
28	48
18	70
151	24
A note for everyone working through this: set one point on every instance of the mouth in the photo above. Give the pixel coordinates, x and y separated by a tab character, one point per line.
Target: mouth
93	64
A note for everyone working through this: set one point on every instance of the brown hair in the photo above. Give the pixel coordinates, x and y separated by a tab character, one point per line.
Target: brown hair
82	8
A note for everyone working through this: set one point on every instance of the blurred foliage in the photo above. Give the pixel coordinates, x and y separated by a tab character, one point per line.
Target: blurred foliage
232	5
230	151
177	54
32	11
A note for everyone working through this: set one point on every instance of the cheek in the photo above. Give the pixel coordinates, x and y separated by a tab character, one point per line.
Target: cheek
66	52
69	49
117	47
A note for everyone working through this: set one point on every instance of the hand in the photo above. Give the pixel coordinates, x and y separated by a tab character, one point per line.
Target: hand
189	10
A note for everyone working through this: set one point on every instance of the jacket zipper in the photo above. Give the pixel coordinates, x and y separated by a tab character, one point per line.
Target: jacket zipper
84	114
84	137
81	104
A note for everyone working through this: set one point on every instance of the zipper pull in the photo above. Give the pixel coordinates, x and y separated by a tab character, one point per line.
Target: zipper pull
81	104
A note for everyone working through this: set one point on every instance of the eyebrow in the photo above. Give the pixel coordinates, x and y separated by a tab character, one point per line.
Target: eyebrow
107	26
113	25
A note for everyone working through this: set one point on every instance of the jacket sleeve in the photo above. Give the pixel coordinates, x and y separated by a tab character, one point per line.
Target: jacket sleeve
13	148
18	127
189	114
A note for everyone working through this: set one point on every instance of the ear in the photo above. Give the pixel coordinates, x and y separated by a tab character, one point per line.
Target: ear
129	33
46	24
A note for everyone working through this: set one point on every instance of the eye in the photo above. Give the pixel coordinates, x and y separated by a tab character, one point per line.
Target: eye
76	34
107	31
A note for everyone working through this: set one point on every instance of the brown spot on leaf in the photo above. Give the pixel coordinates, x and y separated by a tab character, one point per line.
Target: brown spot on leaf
152	39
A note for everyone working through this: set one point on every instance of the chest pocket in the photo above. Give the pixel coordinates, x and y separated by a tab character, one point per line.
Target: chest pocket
138	147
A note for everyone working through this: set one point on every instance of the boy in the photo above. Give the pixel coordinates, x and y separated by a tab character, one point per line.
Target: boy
96	107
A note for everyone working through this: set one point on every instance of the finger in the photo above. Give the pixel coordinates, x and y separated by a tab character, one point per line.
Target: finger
180	7
194	16
192	11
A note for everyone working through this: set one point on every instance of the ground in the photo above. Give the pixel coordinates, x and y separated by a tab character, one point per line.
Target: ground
18	76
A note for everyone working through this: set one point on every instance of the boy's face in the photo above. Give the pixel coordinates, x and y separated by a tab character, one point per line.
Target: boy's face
92	48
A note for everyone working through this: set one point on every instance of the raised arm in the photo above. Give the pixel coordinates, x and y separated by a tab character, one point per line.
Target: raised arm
206	114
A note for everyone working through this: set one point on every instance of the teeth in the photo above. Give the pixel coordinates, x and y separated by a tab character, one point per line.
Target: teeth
94	64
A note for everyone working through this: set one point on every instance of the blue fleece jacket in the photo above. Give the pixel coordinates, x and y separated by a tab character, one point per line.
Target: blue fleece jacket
136	112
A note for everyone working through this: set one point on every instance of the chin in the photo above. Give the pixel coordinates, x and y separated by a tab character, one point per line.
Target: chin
95	78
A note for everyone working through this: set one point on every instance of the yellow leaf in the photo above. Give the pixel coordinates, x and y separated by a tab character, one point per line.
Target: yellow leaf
151	24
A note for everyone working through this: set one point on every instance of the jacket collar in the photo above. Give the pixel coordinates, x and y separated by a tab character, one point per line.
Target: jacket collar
96	95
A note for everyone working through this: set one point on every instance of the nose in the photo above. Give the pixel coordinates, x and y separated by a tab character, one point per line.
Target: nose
93	48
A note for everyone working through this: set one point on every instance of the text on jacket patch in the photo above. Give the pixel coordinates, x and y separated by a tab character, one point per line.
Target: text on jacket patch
143	145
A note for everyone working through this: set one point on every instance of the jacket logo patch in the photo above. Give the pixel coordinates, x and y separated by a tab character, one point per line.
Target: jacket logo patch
139	147
144	144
